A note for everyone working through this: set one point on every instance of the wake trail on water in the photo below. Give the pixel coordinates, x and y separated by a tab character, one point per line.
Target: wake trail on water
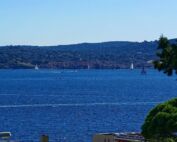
79	105
52	95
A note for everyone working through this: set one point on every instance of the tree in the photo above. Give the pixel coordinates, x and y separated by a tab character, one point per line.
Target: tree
167	53
161	122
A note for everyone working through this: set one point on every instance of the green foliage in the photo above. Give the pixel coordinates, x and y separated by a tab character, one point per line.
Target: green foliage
163	140
161	122
167	53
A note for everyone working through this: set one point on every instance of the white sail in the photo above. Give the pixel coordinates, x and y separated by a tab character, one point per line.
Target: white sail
132	66
36	67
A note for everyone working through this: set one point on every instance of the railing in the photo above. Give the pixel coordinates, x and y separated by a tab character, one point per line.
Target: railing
43	138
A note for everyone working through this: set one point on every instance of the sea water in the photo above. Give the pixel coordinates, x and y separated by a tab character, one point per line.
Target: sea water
73	105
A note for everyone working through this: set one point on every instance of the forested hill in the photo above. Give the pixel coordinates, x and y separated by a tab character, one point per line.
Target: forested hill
78	56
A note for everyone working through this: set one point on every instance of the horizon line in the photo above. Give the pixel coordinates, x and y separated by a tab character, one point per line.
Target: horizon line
77	43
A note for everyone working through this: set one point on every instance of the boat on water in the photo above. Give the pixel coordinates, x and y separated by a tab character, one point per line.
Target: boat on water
88	66
132	66
36	67
143	71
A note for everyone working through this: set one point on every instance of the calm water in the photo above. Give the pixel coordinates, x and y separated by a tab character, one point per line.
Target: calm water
72	105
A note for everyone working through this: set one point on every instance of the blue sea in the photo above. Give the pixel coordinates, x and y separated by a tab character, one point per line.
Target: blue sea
73	105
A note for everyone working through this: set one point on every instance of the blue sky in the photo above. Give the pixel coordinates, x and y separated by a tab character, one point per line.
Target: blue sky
53	22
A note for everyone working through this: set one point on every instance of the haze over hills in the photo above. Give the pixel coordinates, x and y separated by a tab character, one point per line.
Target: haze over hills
106	55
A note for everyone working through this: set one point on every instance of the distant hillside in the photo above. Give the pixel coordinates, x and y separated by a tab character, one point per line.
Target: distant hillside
78	56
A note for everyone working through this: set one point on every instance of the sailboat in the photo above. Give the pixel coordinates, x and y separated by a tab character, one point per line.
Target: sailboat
36	67
132	66
88	66
143	71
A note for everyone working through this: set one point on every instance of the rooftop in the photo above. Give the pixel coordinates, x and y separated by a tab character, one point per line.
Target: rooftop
128	136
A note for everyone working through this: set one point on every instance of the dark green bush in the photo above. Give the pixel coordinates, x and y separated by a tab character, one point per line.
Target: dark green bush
161	122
